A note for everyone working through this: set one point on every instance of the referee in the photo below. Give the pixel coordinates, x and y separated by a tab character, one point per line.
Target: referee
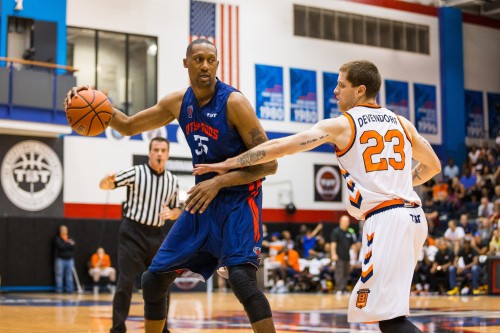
152	198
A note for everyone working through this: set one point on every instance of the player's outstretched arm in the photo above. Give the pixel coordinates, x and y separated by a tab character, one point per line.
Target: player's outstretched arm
273	149
428	163
156	116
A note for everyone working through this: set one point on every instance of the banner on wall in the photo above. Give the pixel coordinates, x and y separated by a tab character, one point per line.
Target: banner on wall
474	112
31	175
425	108
327	183
269	92
396	97
331	108
493	115
304	107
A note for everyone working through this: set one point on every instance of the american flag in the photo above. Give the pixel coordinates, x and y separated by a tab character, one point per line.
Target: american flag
219	23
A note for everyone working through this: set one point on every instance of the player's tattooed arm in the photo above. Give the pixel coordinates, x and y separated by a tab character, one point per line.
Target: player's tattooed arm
303	143
428	162
416	172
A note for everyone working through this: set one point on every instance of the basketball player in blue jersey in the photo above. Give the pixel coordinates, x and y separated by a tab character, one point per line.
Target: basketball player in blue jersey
375	149
221	226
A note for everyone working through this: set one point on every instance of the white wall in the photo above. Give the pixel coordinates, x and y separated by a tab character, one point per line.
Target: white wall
266	37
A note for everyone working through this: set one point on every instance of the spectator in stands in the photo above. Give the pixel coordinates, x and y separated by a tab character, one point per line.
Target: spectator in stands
494	246
100	266
484	229
319	249
422	275
458	188
468	179
275	245
440	270
481	246
470	266
474	154
340	246
450	170
496	195
309	239
454	234
485	208
266	240
287	239
299	240
469	228
289	269
64	248
431	211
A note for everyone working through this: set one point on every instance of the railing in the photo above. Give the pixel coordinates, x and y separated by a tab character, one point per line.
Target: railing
11	61
34	90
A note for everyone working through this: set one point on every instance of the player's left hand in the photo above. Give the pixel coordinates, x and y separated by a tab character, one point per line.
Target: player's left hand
201	169
201	195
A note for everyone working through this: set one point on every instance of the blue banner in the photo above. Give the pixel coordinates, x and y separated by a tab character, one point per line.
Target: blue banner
330	106
269	92
425	108
494	115
474	114
396	97
304	106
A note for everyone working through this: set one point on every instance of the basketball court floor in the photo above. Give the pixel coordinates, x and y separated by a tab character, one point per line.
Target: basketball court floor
221	312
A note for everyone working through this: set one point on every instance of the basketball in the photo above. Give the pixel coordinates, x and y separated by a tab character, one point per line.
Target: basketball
89	113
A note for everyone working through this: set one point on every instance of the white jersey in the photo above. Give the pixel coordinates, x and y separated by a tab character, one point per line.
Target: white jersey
382	177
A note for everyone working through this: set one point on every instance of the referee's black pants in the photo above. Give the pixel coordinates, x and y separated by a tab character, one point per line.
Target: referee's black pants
137	245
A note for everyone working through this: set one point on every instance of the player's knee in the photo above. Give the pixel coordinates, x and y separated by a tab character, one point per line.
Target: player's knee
243	281
154	293
398	325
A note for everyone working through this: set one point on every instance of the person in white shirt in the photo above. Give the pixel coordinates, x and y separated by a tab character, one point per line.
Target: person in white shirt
454	234
450	170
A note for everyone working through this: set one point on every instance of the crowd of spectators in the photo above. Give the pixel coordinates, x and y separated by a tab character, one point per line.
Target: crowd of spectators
462	206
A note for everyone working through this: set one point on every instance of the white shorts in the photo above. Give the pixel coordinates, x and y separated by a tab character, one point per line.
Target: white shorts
392	242
107	271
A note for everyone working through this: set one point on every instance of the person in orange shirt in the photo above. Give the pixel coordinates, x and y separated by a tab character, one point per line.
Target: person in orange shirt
290	267
100	265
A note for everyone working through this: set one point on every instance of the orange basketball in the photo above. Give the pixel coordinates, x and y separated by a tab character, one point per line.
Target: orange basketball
89	113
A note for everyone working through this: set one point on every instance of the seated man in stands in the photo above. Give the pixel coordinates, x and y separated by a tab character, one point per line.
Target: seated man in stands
470	266
289	268
100	266
441	267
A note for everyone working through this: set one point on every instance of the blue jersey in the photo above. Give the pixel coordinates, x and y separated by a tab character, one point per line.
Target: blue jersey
229	231
206	128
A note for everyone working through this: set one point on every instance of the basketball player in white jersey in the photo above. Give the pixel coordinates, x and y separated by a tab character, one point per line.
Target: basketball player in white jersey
375	149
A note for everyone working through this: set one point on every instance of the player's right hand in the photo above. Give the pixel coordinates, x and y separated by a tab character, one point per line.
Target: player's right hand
201	169
72	92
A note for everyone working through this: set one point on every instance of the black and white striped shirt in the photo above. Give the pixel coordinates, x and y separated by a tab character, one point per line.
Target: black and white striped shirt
146	191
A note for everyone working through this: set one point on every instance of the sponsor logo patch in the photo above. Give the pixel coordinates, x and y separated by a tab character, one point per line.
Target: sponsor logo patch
362	298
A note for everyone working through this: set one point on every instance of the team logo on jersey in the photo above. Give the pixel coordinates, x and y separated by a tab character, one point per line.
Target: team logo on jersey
415	218
31	175
190	111
362	298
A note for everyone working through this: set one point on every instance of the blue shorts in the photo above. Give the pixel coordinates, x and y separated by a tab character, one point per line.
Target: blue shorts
228	233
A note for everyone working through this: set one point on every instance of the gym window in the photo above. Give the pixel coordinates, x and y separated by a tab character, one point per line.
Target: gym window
357	29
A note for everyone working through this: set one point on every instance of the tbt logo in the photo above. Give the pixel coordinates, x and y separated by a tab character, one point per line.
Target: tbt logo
31	175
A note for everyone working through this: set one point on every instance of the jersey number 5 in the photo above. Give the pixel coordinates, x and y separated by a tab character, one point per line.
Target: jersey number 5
379	146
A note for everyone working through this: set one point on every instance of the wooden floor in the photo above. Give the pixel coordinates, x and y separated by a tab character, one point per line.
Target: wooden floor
221	313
